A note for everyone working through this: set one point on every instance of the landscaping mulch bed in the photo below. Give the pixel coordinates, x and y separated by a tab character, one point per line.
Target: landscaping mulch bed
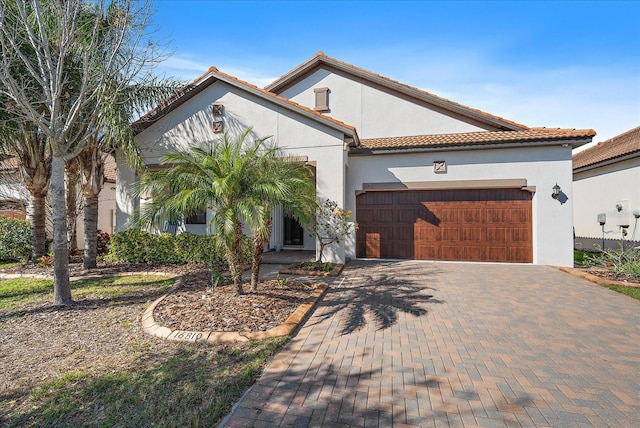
195	306
612	276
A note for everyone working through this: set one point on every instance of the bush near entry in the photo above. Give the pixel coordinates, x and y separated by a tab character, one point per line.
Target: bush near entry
135	246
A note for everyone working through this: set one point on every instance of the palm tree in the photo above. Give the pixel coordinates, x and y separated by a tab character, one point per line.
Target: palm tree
233	177
115	131
30	146
289	184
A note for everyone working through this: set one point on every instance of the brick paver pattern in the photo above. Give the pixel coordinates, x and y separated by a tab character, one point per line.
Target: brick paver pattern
456	344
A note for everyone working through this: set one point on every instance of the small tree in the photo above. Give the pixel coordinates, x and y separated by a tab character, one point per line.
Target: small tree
332	225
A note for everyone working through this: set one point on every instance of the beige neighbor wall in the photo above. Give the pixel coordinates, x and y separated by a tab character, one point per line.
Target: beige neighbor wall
599	190
191	124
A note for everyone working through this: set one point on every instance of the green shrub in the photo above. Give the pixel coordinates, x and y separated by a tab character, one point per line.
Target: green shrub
15	239
135	246
128	246
192	248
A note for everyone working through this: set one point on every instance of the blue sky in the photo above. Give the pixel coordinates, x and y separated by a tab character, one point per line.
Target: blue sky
567	64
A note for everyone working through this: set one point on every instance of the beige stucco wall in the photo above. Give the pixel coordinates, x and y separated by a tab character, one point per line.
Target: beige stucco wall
373	111
192	124
542	168
598	191
106	213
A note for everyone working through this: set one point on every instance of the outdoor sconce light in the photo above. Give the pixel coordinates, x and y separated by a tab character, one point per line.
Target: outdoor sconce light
556	191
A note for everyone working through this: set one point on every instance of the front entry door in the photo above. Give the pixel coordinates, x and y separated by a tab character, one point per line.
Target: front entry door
293	232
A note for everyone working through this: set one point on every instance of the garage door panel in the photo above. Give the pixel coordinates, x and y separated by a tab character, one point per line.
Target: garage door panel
497	254
520	235
496	234
473	253
450	233
450	252
383	215
473	234
407	215
474	225
472	215
426	232
426	251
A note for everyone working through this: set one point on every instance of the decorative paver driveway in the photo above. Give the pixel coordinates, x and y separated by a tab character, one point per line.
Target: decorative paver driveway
452	344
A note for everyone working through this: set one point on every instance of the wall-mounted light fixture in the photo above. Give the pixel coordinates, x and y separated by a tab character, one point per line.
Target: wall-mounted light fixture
556	191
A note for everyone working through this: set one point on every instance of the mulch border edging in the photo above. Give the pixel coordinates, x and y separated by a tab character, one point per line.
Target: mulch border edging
594	278
288	270
150	326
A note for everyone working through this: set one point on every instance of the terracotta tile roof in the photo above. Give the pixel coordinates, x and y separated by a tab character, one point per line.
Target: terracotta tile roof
627	143
476	138
110	168
287	79
212	75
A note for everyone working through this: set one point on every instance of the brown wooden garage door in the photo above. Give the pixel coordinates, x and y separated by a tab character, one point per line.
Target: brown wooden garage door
466	225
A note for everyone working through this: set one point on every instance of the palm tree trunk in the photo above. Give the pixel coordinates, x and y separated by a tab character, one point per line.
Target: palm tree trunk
36	214
259	241
234	256
256	261
73	176
90	231
61	287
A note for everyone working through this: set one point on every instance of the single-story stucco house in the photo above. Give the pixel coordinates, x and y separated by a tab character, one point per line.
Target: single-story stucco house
426	177
606	180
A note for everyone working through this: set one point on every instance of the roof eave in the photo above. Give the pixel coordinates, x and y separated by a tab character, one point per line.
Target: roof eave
465	146
609	161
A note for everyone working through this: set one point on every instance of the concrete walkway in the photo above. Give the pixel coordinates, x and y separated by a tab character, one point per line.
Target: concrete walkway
438	344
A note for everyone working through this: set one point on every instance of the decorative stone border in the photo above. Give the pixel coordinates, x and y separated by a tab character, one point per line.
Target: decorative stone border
289	326
596	279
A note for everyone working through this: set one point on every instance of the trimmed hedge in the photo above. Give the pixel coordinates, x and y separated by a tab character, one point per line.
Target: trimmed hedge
135	246
15	239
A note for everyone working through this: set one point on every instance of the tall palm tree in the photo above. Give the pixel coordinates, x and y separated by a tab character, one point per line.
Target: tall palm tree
30	146
115	131
289	184
233	177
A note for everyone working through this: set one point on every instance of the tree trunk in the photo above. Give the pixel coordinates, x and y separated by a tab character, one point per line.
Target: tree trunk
259	242
73	177
90	231
234	257
92	169
256	261
36	214
61	287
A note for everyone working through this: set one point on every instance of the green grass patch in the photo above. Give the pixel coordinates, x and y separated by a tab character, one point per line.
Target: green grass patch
629	291
578	256
5	264
194	387
21	291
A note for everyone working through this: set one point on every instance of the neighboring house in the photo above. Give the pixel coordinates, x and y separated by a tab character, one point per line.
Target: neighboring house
606	179
425	177
14	197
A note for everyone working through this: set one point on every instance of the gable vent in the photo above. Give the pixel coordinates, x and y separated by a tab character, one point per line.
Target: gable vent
322	99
